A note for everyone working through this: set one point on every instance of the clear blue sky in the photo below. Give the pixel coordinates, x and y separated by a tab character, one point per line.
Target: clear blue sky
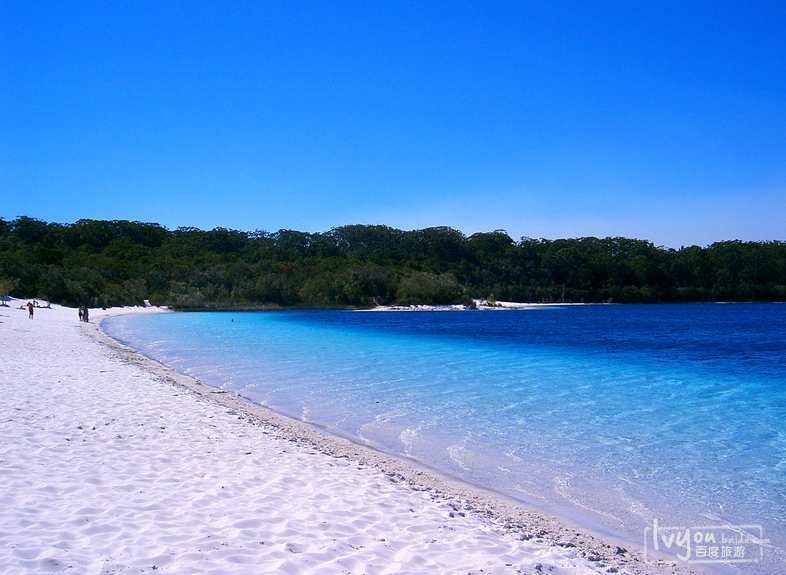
663	121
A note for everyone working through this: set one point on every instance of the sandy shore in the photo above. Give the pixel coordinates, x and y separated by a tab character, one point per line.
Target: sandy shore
112	463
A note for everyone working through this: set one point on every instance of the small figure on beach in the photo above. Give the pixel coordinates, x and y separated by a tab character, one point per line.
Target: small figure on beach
85	314
81	313
30	310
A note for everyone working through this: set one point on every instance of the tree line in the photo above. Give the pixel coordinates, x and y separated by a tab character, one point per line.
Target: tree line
118	262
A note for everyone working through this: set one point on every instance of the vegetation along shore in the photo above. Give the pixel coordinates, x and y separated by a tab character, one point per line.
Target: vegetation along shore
118	262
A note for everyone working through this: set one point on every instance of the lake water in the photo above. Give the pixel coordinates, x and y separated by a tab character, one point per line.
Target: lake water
613	415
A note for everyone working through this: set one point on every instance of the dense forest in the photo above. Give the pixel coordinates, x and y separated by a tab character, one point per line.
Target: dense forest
105	263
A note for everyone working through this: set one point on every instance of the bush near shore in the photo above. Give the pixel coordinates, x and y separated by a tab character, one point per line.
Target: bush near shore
106	263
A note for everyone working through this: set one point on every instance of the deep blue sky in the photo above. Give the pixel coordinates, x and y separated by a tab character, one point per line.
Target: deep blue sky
548	119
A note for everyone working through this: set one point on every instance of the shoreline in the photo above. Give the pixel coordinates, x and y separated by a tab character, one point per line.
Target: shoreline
480	305
605	552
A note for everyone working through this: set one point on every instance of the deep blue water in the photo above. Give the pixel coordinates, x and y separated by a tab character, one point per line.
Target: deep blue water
616	415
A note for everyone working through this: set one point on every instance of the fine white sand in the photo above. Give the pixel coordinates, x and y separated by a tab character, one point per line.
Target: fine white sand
110	463
480	304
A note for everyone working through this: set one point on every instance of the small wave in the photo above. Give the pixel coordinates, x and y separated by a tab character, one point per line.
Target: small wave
460	455
409	437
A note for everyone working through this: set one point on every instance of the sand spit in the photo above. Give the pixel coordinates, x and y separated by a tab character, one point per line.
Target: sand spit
112	463
478	304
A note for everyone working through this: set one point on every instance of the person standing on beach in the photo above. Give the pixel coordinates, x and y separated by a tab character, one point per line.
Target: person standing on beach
81	314
30	310
85	315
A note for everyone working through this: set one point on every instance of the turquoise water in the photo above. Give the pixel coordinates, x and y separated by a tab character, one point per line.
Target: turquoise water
615	415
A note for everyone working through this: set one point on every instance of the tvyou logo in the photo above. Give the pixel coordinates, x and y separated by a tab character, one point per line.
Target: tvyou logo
708	543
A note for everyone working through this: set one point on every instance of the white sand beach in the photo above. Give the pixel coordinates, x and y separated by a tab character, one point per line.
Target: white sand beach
110	463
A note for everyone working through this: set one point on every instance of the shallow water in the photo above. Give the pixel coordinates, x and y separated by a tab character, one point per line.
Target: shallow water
616	415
